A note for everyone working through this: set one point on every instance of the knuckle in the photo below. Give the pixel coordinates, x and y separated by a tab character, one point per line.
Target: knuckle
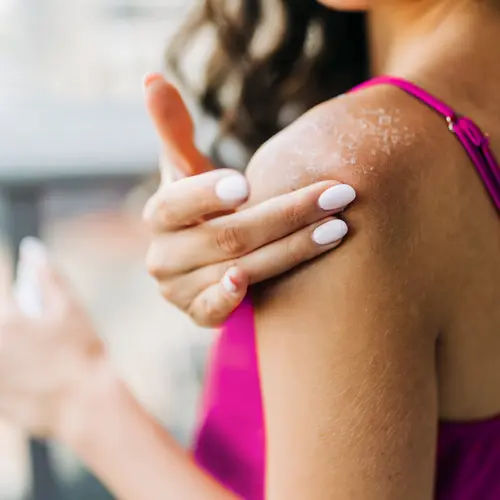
231	240
154	270
152	265
163	213
168	291
294	215
157	211
156	263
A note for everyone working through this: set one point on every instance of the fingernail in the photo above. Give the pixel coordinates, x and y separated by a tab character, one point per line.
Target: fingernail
330	232
337	197
32	250
232	188
229	281
149	78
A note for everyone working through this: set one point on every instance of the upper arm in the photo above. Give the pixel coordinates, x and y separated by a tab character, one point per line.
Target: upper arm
346	350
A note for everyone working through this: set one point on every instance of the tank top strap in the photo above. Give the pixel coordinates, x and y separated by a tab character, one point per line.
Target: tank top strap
474	140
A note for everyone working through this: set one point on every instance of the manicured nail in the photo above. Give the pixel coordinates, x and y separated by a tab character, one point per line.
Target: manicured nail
149	78
229	281
232	188
337	197
330	232
32	250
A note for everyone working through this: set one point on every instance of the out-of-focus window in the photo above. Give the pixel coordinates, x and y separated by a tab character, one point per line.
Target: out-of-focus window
83	48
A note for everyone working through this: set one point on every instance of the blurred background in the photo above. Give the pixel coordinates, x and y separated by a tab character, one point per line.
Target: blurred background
76	153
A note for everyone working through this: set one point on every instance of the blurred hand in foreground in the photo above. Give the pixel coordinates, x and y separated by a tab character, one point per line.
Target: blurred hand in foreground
46	358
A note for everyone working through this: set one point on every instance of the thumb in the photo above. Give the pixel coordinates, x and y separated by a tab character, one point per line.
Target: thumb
174	125
40	290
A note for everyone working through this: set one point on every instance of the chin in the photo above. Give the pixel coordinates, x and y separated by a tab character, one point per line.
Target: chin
349	5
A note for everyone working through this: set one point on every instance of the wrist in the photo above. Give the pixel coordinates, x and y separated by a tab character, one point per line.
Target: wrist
87	403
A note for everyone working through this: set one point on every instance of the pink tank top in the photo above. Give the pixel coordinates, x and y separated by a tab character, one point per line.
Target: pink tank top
230	440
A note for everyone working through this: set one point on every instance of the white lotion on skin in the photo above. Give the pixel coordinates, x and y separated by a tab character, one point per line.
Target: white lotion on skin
27	289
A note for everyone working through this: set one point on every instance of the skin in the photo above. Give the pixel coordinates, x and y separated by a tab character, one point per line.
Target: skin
361	351
240	246
369	393
366	399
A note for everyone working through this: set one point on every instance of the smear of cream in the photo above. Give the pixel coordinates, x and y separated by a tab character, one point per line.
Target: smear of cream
381	127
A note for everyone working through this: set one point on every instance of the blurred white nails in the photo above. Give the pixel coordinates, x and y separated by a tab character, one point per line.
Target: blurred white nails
33	250
337	197
27	289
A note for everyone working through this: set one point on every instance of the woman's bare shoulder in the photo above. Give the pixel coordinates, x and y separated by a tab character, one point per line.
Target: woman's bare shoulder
397	154
345	343
371	139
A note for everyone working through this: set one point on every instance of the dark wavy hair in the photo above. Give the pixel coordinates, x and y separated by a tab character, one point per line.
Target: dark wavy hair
319	53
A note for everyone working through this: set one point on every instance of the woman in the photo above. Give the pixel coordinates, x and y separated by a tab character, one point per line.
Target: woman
372	359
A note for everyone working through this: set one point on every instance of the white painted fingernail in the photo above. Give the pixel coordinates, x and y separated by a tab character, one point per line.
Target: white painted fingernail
33	250
27	289
228	283
232	188
330	232
337	197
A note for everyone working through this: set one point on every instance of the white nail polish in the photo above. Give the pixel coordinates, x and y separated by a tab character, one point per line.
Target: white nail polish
232	188
27	289
33	250
330	232
337	197
228	285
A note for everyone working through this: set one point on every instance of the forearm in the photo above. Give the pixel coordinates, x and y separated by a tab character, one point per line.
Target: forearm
128	450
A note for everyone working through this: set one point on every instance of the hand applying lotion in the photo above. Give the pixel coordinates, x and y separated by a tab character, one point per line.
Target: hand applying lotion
208	245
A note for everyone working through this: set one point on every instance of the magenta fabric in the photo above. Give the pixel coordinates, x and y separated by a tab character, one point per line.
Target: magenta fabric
230	442
468	460
475	142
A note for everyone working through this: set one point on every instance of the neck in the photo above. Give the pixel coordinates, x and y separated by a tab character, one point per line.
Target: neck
437	40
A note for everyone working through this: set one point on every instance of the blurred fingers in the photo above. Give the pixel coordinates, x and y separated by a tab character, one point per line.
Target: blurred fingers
42	290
